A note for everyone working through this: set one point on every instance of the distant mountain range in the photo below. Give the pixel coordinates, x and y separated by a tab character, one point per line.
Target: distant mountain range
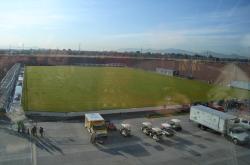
180	51
221	55
170	50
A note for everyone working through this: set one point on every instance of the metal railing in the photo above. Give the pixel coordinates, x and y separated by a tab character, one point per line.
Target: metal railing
7	86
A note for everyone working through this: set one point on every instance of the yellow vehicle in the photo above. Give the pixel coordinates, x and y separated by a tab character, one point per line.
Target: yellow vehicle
95	124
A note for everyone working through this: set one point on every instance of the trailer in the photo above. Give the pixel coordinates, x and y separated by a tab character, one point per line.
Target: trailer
221	122
211	118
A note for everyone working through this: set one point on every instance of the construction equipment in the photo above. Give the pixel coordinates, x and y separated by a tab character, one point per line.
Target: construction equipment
167	130
154	132
175	124
125	130
146	127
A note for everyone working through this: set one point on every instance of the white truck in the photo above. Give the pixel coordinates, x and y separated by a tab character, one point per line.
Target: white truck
95	124
221	122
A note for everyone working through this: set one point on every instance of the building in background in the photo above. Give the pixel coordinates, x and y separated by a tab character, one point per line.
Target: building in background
168	72
240	84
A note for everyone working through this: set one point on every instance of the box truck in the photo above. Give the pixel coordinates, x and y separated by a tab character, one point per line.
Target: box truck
221	122
95	124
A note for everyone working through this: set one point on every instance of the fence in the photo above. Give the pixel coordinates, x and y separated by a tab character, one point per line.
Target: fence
7	86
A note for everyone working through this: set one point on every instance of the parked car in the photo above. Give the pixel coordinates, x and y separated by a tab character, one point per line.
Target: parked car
110	125
167	130
175	124
125	129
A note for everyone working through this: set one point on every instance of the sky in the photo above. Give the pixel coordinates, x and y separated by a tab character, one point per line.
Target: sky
196	25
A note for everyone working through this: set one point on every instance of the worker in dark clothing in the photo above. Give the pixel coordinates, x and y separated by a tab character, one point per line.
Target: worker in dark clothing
33	131
28	131
41	131
23	129
18	128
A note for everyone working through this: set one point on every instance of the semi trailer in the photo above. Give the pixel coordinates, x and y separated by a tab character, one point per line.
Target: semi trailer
226	124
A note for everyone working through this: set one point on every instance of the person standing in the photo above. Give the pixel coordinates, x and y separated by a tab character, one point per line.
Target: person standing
18	128
41	131
35	131
23	128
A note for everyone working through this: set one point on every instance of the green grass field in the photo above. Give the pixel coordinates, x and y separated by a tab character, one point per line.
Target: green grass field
68	88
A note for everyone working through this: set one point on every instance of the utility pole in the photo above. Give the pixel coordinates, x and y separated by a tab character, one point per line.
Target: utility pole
235	71
248	53
22	52
79	48
191	67
9	49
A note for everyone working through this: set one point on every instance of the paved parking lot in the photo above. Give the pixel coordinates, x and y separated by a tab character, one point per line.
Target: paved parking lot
68	143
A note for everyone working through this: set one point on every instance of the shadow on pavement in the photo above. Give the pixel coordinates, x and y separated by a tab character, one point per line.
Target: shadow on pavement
183	144
167	142
119	145
182	141
186	132
43	143
4	119
117	138
135	150
46	144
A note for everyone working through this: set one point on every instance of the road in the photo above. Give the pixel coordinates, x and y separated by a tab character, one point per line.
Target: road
68	143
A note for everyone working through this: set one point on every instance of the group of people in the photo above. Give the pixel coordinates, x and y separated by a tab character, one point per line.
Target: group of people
34	129
20	127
